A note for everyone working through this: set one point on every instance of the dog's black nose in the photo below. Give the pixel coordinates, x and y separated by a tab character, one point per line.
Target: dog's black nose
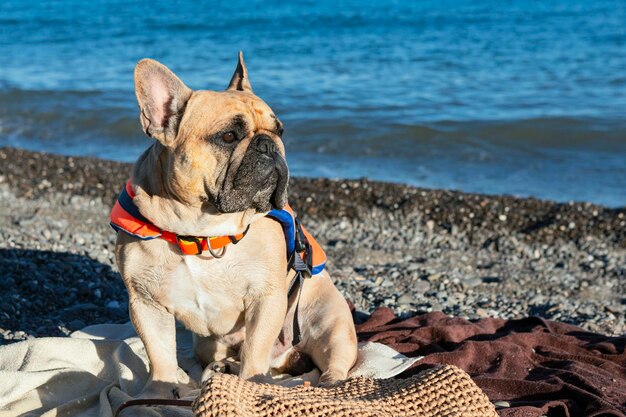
265	144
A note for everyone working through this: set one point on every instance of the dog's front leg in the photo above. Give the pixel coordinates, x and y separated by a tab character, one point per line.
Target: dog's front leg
157	330
264	319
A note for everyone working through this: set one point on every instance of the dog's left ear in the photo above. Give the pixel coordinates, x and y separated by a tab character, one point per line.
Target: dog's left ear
162	98
240	80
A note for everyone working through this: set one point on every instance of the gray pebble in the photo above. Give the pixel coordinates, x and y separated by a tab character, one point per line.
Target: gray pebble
405	299
472	282
421	286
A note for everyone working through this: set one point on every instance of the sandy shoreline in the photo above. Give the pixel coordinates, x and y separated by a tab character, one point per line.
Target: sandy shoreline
412	249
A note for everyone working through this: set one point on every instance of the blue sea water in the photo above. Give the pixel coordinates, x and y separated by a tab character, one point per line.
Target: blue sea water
521	97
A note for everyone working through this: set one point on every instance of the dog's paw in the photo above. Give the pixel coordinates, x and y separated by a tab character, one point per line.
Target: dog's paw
220	367
331	377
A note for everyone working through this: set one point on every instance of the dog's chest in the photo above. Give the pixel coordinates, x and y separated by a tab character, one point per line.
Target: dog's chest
205	294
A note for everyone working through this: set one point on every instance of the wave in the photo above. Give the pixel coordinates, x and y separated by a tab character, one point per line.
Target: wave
407	140
54	119
45	115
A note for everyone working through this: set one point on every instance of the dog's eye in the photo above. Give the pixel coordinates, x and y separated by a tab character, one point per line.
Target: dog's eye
229	137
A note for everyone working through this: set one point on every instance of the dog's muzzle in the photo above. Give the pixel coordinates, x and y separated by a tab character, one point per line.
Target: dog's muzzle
260	181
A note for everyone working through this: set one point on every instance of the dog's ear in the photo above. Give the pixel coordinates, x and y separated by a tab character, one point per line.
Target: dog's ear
240	80
162	98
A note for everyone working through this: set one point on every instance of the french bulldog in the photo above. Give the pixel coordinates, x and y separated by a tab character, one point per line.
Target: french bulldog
216	167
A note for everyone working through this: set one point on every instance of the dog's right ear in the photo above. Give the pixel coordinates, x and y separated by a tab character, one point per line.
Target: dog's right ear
162	98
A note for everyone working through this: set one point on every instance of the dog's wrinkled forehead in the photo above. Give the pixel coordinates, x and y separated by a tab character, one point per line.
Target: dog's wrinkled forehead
243	113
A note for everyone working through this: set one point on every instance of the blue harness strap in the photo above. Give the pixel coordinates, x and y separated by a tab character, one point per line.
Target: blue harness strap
127	204
288	223
289	228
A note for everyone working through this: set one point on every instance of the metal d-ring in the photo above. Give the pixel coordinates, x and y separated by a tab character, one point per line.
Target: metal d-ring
215	255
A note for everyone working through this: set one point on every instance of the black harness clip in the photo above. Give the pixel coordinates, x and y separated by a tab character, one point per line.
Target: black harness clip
303	266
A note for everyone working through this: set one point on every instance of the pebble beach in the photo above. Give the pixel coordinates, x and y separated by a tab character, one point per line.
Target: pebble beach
413	250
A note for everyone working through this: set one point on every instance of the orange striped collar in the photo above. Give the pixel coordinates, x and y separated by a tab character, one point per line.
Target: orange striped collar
126	217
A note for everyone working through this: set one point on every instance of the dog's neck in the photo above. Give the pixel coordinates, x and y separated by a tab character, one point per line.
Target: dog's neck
159	203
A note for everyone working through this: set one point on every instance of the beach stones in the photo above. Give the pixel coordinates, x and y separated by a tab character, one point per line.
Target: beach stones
411	249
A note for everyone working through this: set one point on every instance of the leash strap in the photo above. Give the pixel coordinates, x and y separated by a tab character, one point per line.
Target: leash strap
152	401
296	285
303	270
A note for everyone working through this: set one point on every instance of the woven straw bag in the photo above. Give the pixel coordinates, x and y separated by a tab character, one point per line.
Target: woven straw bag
445	391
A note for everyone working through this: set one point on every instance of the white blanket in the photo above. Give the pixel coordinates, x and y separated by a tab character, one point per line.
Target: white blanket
101	366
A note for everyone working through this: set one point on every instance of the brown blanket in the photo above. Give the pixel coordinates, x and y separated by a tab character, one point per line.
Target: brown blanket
538	367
